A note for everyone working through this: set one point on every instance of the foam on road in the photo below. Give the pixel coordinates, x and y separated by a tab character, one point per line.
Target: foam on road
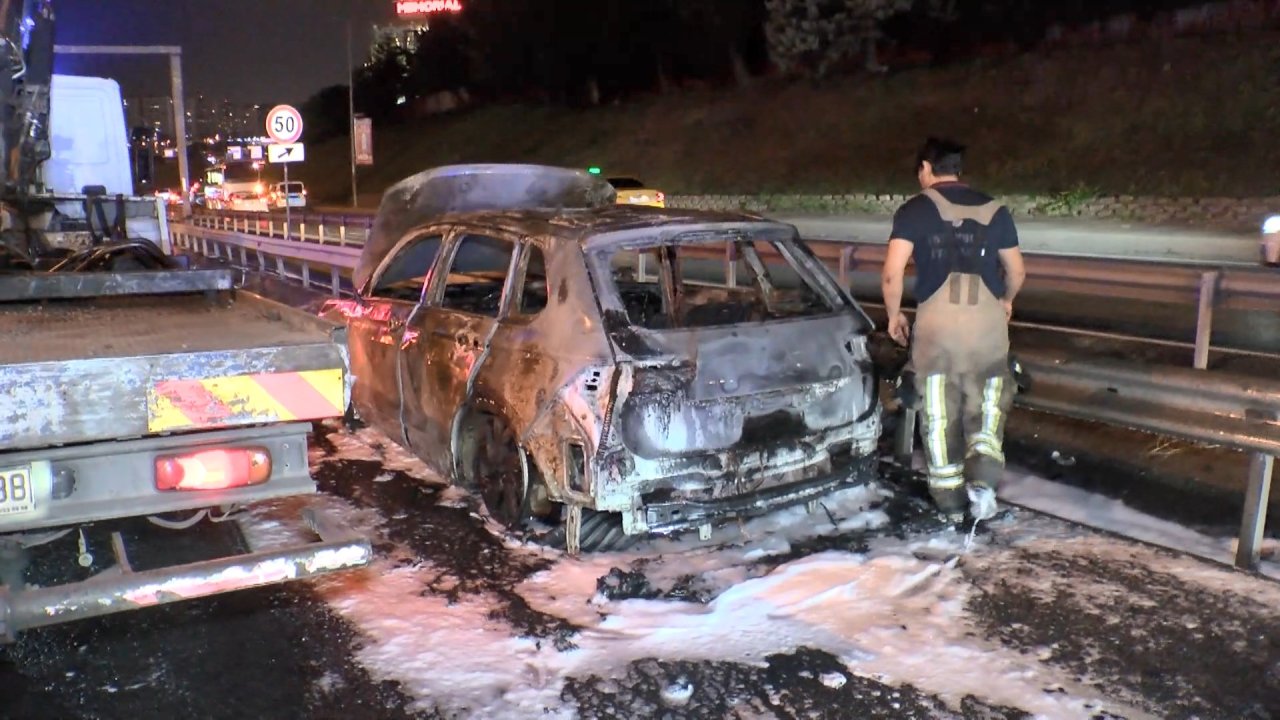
864	603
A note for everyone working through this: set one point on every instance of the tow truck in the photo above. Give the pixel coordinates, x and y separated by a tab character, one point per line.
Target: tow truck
133	388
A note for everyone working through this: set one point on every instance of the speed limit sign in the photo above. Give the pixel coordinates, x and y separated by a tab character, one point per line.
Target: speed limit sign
284	124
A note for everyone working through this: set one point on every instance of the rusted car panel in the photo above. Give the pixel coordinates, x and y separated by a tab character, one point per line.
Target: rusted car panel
699	402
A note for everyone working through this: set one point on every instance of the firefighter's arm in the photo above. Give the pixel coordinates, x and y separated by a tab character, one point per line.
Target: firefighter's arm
891	285
1015	272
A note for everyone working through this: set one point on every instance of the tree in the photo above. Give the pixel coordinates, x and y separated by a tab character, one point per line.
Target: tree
725	27
383	82
439	58
814	36
325	113
520	49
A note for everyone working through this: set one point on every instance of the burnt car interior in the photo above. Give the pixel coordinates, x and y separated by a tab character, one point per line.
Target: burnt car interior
477	275
686	285
405	274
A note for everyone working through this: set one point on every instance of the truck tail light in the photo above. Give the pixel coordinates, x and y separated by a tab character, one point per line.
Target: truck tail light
662	197
220	469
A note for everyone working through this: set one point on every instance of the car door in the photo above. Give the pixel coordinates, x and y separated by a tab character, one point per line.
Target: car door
377	328
450	335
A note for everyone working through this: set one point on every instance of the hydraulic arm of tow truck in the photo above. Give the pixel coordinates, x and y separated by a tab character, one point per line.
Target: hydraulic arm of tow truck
27	40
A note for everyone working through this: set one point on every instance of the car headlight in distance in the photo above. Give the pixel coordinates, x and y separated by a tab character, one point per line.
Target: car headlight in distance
1271	226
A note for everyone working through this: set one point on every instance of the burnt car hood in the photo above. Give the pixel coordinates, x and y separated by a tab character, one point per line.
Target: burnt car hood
431	194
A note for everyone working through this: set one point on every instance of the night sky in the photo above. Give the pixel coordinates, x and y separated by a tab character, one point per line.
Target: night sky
264	51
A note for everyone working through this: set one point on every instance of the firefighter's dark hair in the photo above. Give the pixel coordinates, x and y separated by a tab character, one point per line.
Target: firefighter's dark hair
946	156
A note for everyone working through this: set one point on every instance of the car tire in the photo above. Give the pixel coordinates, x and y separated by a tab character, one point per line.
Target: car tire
497	470
601	532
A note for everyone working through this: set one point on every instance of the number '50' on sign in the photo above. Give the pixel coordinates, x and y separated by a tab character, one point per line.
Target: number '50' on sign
284	124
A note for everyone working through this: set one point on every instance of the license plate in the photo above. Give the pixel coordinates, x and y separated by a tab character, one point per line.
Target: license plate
17	491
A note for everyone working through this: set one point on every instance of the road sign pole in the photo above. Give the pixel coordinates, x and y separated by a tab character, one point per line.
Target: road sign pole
284	126
288	207
180	130
351	116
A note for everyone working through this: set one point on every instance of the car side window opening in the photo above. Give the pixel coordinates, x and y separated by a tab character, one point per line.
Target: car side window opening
688	286
477	275
405	275
533	292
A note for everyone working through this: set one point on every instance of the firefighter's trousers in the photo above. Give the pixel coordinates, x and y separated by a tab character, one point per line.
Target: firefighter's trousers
960	356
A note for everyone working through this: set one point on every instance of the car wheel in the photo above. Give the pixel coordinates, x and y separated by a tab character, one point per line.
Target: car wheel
499	471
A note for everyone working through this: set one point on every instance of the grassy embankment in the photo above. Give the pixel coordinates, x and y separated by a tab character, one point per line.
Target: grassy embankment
1191	117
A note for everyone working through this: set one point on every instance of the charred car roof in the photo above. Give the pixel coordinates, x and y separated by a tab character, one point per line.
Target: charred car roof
583	225
528	199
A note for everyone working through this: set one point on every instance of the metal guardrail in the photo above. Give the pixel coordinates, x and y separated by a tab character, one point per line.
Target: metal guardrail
1208	288
269	254
1236	412
323	228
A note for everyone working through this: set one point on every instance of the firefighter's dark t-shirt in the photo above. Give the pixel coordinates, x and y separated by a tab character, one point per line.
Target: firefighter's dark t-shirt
918	220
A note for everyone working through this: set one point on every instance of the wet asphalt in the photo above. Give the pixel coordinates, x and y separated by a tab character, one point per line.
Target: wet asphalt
1178	650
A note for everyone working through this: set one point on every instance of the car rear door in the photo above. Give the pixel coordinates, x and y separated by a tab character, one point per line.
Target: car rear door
377	324
449	338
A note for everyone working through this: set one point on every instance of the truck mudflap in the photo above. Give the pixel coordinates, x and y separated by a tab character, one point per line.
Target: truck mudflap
119	588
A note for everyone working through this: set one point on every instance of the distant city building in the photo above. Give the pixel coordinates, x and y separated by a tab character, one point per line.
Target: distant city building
206	117
402	34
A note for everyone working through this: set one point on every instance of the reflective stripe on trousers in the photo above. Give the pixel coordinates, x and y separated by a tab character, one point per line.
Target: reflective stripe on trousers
960	351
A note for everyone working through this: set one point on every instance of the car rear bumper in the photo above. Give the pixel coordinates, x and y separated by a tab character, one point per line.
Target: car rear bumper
668	517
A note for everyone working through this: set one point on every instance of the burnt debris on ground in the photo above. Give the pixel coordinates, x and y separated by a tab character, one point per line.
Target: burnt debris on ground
619	584
807	683
471	560
1147	636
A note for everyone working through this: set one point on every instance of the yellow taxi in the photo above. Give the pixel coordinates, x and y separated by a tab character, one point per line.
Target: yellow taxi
633	192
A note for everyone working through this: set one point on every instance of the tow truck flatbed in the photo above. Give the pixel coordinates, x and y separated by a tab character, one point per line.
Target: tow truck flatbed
157	357
133	395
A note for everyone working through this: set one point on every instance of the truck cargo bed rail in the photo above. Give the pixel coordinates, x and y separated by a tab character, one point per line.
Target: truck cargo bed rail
38	286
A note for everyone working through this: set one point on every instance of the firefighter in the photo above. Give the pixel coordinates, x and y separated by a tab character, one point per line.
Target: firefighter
968	272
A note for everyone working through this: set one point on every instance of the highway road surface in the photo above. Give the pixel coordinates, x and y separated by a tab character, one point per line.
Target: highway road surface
863	609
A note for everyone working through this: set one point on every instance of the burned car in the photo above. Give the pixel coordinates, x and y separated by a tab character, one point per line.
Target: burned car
602	369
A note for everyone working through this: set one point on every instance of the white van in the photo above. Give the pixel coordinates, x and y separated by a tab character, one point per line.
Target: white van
291	194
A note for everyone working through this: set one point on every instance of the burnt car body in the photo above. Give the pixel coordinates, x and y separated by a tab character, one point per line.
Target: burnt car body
558	353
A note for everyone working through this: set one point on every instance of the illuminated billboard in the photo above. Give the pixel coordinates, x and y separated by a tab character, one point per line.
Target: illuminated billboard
419	8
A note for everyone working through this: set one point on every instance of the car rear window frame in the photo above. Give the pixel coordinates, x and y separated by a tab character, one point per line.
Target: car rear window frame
799	258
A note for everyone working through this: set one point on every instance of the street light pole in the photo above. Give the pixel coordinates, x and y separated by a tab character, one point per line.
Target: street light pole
351	116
